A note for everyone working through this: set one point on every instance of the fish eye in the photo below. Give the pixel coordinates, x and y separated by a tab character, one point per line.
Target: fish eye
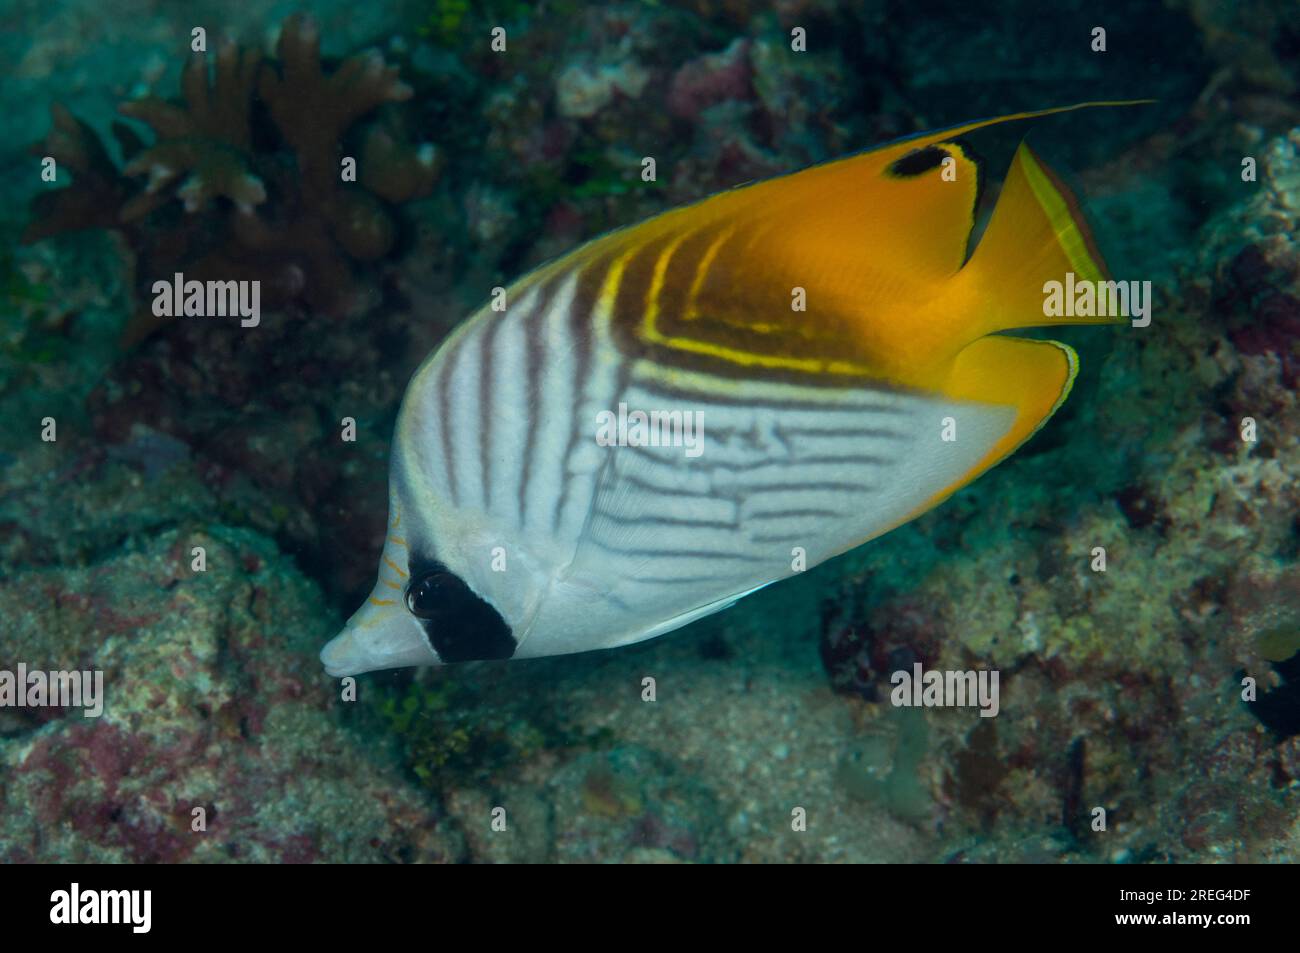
434	593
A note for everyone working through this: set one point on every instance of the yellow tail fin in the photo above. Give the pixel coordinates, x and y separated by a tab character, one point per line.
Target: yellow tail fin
1036	235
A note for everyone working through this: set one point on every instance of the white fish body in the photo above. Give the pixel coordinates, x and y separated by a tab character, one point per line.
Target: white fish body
515	533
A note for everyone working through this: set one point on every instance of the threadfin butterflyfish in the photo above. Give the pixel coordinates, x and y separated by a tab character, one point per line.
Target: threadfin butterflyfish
679	413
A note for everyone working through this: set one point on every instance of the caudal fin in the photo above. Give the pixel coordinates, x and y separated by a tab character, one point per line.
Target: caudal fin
1036	236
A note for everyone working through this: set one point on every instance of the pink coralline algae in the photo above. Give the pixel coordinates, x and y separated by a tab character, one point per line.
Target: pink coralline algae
709	80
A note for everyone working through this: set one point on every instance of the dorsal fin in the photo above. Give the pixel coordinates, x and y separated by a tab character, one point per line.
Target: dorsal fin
818	274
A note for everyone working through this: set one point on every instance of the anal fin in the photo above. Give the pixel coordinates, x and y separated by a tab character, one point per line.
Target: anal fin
1032	376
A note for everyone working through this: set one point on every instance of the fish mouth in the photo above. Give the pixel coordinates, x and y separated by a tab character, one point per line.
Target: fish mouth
377	640
340	656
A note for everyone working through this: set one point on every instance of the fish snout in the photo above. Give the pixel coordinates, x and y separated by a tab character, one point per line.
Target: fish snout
374	640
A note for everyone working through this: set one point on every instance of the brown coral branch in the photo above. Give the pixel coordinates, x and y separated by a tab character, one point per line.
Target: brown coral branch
208	142
268	204
312	110
214	169
395	170
97	191
217	105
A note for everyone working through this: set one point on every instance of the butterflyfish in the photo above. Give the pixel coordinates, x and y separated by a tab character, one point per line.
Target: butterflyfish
679	413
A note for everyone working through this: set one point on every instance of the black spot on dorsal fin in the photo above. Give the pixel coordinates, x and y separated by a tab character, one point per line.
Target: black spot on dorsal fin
918	162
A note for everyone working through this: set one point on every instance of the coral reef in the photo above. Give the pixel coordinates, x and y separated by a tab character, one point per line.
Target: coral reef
253	159
227	714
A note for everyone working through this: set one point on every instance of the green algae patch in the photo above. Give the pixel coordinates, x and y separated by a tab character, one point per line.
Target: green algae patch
451	733
1278	644
886	771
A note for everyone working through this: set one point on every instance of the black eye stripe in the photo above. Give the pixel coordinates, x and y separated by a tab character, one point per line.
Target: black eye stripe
460	625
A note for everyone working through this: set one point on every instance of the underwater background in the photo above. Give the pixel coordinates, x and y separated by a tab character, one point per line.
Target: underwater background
1120	690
